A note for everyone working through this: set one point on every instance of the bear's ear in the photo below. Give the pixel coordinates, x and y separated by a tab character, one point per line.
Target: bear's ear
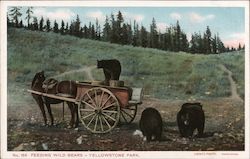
42	72
97	63
200	105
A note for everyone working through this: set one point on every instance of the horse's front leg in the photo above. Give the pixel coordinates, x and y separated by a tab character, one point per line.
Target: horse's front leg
39	101
50	113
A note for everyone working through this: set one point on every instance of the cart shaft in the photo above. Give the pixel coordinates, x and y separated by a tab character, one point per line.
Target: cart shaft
54	96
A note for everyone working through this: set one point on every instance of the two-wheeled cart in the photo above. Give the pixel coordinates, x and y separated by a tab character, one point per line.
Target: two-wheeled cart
101	107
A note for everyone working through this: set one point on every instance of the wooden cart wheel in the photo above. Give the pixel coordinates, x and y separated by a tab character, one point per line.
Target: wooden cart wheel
128	114
99	110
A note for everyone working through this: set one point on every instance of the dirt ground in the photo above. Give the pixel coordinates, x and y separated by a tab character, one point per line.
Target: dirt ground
224	129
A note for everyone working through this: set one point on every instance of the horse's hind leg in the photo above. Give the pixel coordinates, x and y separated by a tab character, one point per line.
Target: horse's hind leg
50	113
39	101
71	107
77	116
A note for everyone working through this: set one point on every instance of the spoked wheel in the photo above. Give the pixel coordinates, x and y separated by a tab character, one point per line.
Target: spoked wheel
128	114
99	110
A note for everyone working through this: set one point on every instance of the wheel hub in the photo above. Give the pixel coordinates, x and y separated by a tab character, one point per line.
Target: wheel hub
98	111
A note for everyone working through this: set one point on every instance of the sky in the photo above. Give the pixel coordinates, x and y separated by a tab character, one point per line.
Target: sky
228	22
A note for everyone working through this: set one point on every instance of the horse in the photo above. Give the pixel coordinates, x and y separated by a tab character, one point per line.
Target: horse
62	87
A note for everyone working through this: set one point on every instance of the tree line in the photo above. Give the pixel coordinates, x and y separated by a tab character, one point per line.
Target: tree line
116	30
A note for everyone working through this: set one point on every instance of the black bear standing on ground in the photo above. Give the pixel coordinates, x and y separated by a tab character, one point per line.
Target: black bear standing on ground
151	124
191	117
111	69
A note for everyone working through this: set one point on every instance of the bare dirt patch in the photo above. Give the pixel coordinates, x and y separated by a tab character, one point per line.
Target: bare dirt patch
224	128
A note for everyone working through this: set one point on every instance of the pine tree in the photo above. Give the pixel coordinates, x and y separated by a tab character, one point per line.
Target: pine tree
169	40
184	44
29	13
119	23
41	27
77	26
207	41
233	49
177	37
239	47
89	29
93	32
220	45
71	28
35	24
81	32
200	42
161	41
55	28
62	30
20	24
15	14
114	31
227	49
143	37
106	30
153	35
129	33
85	31
193	45
135	40
67	28
124	35
48	28
98	30
214	45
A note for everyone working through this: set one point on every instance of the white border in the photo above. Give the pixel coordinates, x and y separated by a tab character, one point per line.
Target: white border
235	3
143	154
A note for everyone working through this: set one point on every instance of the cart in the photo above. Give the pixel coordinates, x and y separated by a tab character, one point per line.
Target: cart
101	107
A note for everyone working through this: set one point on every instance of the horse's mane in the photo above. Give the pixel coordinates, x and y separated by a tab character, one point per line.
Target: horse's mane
34	79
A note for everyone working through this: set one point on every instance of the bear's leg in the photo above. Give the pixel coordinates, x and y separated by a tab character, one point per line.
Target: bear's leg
182	130
149	137
200	130
158	136
115	75
107	76
190	132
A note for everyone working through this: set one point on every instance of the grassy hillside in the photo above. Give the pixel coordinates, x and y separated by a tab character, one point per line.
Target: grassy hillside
167	75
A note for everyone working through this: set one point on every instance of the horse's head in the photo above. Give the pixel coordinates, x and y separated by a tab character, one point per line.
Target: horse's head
39	78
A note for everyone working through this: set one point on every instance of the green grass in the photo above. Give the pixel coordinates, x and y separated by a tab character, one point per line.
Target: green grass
235	62
162	74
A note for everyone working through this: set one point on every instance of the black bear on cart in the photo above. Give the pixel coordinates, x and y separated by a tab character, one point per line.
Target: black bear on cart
191	117
111	69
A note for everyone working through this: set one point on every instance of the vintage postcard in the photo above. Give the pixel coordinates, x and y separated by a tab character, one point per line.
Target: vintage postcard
124	79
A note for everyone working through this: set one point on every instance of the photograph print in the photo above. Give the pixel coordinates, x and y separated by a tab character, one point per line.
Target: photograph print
142	78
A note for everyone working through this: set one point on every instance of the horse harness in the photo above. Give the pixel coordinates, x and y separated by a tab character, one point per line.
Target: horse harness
51	83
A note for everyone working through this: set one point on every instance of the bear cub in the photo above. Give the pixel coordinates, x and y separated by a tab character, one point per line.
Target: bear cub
191	117
151	124
111	69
